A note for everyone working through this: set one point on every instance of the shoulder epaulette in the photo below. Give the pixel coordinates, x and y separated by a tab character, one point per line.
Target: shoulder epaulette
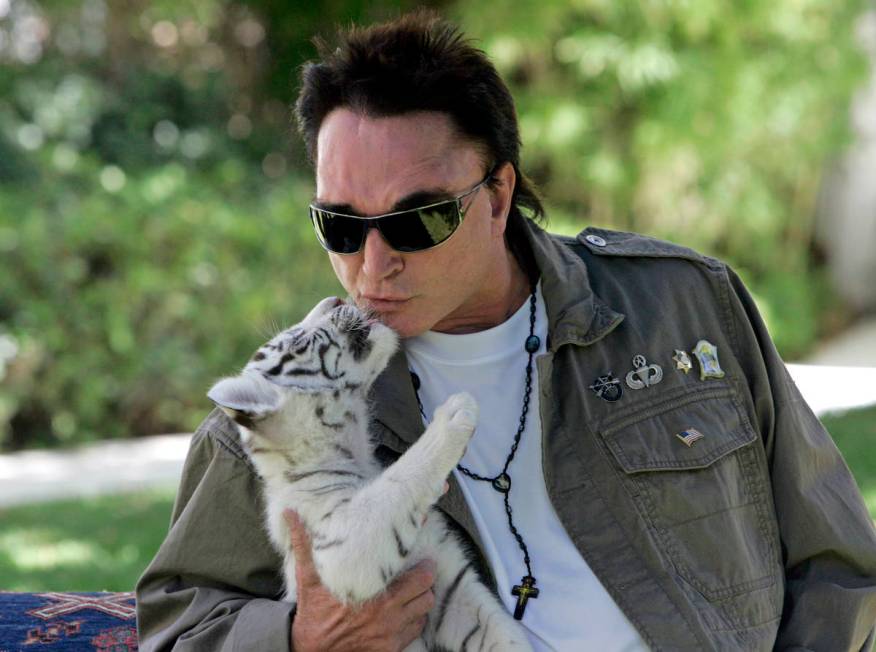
604	242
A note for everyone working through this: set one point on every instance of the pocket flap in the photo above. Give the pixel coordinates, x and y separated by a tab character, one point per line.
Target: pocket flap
688	431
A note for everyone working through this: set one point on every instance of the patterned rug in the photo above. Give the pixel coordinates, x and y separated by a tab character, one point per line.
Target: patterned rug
64	622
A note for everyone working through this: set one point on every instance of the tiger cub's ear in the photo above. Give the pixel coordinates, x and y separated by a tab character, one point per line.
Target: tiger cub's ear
246	399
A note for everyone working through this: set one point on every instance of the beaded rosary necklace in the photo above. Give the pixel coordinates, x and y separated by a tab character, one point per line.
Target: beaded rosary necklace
502	481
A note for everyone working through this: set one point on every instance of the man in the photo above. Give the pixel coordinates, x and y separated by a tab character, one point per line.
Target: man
653	477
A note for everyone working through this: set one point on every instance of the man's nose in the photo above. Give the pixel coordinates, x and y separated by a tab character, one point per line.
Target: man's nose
380	260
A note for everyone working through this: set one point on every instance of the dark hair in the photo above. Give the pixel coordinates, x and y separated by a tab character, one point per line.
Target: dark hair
419	62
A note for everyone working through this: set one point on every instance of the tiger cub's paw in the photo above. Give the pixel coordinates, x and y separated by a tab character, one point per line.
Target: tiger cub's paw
462	411
458	415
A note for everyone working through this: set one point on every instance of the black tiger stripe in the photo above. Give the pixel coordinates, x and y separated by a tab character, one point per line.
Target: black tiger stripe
329	544
329	488
402	550
298	342
474	631
318	537
288	458
328	514
360	346
276	369
343	450
448	595
325	372
296	477
298	371
484	636
413	520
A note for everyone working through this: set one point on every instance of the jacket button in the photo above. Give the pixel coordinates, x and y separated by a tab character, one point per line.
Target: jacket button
595	240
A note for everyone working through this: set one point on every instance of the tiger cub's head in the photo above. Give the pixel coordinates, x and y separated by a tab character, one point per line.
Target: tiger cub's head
336	350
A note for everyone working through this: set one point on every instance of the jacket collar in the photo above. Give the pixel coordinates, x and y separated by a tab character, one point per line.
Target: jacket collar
576	315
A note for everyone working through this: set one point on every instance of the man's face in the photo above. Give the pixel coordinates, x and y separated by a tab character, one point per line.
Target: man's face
372	164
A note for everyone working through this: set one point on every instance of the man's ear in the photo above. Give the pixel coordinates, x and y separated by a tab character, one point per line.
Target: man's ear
501	194
246	398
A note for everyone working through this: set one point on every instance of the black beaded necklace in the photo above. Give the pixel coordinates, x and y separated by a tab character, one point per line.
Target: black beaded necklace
502	481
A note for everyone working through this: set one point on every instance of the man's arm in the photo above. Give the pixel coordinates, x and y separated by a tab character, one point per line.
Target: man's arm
214	583
828	539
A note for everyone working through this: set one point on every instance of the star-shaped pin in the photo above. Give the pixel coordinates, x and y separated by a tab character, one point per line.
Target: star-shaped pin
682	361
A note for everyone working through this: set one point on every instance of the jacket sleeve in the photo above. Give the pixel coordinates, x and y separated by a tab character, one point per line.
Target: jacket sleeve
828	539
214	583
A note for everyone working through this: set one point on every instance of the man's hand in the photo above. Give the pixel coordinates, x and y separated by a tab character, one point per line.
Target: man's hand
386	623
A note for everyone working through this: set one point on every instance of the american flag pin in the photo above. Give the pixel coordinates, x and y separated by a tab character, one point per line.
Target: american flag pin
690	436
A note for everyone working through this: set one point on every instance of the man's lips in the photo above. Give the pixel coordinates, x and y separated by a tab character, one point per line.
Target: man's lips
384	303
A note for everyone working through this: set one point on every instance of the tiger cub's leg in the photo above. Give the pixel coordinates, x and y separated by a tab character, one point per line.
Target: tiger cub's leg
467	615
369	540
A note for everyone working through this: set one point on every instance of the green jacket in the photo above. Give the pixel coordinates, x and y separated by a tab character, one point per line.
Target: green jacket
754	537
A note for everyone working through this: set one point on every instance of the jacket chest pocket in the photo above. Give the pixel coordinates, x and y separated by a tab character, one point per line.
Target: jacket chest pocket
692	465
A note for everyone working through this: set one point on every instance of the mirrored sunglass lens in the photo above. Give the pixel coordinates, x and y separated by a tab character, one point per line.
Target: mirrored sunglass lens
422	228
340	234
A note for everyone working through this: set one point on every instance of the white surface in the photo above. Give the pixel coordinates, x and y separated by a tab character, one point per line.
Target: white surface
835	389
105	467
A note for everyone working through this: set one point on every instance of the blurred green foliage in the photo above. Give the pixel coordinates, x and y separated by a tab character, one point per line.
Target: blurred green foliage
152	222
153	226
126	304
703	122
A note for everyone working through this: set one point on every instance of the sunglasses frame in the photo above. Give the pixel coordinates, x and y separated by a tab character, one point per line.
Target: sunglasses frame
376	219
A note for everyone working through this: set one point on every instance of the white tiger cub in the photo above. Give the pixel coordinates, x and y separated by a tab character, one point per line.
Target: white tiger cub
300	406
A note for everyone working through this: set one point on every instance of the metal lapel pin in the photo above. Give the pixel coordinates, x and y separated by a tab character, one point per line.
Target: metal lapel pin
707	354
644	375
690	436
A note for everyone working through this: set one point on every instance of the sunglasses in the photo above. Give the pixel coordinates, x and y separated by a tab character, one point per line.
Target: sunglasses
407	231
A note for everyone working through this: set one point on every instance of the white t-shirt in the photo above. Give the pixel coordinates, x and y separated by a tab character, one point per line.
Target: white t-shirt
573	611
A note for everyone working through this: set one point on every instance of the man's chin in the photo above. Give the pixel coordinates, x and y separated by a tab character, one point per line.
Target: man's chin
401	323
396	314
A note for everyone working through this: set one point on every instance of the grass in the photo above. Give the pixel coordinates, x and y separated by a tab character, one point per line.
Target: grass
103	544
855	434
94	544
